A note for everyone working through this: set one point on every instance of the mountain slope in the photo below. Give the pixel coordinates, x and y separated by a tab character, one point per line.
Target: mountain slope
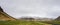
5	16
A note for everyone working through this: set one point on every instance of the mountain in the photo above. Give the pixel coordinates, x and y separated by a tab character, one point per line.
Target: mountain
46	19
35	19
4	16
58	18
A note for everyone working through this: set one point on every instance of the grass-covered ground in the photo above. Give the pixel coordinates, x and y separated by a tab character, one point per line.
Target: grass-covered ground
22	23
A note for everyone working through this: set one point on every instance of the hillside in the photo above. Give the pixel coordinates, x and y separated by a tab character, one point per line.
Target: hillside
58	18
4	16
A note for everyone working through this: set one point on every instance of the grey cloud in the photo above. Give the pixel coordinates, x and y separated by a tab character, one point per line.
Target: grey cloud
43	8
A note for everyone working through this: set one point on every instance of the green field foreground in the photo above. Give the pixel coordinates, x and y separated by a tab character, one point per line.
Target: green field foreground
22	23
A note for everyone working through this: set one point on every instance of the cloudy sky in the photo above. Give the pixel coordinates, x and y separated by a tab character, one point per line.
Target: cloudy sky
41	8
